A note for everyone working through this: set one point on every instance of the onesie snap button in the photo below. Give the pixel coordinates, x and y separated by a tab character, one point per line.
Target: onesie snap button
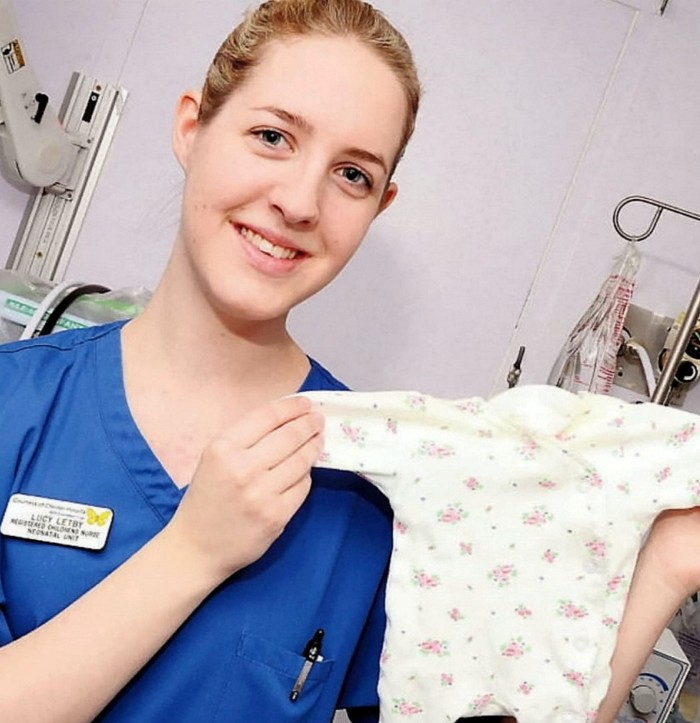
581	643
593	565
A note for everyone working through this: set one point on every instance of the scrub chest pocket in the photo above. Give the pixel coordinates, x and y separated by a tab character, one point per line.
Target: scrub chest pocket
266	675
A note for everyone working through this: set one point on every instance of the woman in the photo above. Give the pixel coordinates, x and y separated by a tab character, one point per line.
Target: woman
222	560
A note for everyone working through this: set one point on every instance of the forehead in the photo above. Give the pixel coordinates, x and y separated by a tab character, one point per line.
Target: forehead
338	85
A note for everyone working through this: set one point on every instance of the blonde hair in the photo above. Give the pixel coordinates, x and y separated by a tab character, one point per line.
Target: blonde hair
274	19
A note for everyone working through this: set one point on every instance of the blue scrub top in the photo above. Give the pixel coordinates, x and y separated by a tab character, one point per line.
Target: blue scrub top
68	435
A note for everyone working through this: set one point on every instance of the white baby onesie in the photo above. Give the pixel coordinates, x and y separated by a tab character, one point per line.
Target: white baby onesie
517	526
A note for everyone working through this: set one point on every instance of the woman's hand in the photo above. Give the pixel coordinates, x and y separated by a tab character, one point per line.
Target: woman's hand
666	574
673	548
248	484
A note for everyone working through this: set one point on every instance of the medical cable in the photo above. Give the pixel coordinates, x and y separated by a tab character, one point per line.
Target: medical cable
645	361
70	298
45	305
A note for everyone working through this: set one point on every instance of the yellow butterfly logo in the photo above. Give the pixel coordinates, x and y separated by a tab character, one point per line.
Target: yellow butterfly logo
98	518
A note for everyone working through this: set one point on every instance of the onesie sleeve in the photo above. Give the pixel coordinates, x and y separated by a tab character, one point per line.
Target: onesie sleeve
378	434
358	433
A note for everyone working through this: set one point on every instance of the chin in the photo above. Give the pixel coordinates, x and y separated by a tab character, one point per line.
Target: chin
235	316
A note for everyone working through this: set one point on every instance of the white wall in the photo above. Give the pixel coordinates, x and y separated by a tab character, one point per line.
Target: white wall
647	142
538	118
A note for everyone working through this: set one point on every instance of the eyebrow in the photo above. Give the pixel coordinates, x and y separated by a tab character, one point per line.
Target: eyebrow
292	118
363	155
300	122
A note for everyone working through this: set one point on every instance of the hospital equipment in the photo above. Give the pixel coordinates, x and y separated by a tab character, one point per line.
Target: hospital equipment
36	150
28	306
58	158
588	359
692	314
657	687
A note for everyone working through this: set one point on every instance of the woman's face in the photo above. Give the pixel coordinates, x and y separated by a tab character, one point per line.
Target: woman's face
282	184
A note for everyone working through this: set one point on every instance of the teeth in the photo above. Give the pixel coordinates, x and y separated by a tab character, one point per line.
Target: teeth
279	252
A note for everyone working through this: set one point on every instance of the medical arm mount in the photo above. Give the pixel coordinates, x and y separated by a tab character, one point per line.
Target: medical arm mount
692	314
35	150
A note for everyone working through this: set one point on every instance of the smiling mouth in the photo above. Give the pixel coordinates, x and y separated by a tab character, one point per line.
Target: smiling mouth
267	247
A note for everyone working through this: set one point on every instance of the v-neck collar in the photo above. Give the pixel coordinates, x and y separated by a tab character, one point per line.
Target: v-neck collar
141	464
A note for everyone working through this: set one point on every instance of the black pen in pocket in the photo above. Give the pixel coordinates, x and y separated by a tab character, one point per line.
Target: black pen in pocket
312	655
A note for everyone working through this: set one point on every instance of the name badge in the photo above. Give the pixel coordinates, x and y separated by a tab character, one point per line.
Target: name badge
60	523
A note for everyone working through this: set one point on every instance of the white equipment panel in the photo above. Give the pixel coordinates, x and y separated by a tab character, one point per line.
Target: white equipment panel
657	687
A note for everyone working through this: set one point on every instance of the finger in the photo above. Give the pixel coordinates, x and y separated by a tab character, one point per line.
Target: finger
258	423
297	466
286	441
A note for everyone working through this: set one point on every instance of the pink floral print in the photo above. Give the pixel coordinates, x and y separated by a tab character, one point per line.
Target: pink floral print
515	648
472	406
434	647
465	548
435	449
416	401
663	474
694	487
683	435
523	611
422	579
452	514
537	516
597	548
571	611
354	434
575	677
473	484
549	555
402	707
528	449
503	575
479	704
615	584
592	478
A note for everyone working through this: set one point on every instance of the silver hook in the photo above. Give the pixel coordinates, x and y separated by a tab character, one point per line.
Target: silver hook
660	208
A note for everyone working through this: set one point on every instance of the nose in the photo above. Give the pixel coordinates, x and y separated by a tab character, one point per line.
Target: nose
296	195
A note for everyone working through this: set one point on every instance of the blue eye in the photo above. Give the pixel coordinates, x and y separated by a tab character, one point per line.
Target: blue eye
356	176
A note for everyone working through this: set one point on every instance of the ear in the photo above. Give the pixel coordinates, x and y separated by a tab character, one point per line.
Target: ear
390	193
185	125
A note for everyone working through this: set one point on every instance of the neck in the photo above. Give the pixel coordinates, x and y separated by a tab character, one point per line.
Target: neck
180	342
189	374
